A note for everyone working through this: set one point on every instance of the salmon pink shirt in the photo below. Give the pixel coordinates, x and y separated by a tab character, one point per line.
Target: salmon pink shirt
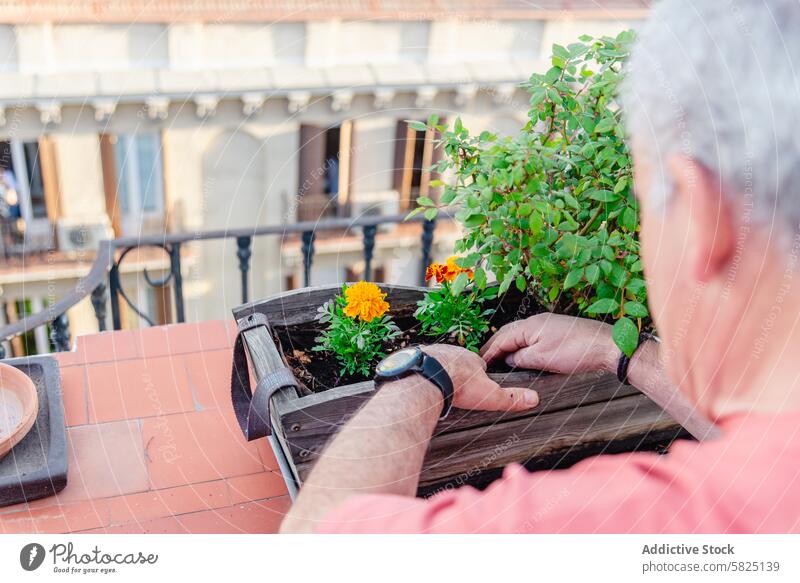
746	481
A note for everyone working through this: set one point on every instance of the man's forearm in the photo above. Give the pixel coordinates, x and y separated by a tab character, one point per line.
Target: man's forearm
380	450
646	373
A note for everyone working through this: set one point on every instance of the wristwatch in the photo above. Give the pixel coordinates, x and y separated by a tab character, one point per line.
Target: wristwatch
414	361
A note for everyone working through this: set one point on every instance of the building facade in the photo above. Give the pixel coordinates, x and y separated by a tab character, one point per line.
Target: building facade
140	118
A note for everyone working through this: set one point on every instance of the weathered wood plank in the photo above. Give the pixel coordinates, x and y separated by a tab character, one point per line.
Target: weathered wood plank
300	306
655	440
483	448
265	358
522	439
309	422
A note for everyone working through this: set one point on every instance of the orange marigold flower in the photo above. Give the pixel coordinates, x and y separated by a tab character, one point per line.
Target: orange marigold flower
452	270
365	300
435	271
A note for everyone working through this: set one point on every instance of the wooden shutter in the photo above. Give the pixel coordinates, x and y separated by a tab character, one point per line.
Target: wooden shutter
346	150
432	155
109	167
52	193
399	154
311	197
312	159
405	140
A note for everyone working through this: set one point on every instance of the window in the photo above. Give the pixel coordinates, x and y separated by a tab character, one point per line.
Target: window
324	171
139	182
331	166
415	153
24	211
138	160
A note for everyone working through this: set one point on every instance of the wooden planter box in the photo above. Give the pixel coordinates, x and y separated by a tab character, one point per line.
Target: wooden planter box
579	415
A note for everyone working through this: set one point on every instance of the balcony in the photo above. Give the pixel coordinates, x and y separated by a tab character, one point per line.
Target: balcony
158	397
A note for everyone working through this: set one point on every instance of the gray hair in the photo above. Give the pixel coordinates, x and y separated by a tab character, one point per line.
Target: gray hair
715	80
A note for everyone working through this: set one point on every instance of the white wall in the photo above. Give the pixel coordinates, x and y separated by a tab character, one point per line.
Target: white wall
62	48
80	177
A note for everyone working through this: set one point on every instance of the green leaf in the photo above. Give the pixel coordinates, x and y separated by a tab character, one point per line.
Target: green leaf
480	278
603	306
605	125
469	261
417	125
636	310
636	286
628	219
431	213
475	221
506	283
536	223
604	196
448	196
592	273
498	227
425	201
573	278
521	283
571	201
459	284
560	51
626	336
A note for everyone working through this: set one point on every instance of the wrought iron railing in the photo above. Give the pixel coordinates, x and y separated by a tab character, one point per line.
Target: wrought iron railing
103	283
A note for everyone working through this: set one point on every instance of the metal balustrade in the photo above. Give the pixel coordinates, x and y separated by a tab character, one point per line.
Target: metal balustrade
103	283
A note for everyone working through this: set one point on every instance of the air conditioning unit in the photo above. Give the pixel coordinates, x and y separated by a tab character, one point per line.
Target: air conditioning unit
75	235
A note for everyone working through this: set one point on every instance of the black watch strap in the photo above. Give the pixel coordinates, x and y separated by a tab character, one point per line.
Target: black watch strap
435	372
625	361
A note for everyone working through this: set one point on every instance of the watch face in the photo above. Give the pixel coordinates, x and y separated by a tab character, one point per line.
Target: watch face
398	362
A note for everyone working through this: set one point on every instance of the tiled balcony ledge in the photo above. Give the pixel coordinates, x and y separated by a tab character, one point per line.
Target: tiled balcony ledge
152	441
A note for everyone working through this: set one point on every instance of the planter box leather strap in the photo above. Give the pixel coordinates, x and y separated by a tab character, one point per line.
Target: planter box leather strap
252	409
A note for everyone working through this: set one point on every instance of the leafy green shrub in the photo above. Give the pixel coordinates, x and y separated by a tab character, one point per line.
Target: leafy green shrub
551	209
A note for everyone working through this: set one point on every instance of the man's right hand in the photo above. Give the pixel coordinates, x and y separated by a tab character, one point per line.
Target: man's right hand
555	343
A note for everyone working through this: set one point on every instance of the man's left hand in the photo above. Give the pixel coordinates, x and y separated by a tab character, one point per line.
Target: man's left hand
473	389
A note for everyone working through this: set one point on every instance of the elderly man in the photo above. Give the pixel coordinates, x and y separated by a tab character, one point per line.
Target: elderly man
712	103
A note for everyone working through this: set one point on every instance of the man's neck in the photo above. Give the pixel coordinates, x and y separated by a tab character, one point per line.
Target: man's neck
746	357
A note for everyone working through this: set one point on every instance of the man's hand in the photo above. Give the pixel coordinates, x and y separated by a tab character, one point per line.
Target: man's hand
473	389
555	343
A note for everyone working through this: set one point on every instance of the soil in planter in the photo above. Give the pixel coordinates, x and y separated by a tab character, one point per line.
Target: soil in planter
320	371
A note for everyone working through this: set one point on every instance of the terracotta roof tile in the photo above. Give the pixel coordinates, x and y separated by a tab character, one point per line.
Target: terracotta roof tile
196	447
136	389
169	502
133	470
104	460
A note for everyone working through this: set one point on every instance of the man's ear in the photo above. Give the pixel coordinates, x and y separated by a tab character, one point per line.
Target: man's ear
711	227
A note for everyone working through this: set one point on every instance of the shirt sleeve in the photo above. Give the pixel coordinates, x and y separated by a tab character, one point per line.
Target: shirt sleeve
638	492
